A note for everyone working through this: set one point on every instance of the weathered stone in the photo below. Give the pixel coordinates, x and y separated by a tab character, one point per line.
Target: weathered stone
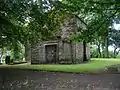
62	50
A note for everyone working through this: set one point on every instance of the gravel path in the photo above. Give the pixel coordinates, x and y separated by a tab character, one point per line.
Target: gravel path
14	79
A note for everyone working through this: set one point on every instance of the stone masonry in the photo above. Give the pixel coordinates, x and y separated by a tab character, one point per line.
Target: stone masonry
60	51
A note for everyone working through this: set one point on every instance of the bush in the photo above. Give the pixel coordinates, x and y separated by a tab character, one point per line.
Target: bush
17	56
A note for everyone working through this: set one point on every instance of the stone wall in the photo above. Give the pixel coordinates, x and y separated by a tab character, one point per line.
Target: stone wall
88	51
68	28
74	52
79	52
37	54
65	52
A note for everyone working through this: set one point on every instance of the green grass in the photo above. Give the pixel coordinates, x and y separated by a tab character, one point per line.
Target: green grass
93	66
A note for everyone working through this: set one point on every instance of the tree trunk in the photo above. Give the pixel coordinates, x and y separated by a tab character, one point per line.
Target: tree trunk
103	51
116	52
99	51
28	51
2	52
1	57
71	53
84	51
106	48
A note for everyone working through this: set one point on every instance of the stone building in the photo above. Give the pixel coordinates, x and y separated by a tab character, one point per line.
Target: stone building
61	50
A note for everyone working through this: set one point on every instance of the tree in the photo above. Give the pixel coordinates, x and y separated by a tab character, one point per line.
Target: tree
32	21
96	17
114	40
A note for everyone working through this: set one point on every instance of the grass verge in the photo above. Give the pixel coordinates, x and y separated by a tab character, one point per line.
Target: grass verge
95	65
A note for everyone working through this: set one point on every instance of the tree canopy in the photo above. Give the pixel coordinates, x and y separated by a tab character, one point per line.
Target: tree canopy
23	21
96	15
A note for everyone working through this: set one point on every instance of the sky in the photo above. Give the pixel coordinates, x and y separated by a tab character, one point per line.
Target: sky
116	26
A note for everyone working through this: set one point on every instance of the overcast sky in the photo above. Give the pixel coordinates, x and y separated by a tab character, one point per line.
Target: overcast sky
117	26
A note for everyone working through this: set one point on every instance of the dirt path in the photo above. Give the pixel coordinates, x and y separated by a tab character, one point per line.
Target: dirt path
13	79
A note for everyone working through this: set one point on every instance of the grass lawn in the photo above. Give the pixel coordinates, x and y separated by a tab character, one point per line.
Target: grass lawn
94	65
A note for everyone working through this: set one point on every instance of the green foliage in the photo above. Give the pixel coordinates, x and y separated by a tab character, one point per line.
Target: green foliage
34	21
95	15
111	54
94	52
42	19
114	38
17	52
118	56
7	60
31	20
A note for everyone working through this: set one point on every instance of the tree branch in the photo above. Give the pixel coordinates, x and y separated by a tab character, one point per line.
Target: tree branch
105	20
81	20
110	3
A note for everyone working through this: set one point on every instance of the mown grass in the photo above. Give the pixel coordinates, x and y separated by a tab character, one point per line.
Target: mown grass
94	65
